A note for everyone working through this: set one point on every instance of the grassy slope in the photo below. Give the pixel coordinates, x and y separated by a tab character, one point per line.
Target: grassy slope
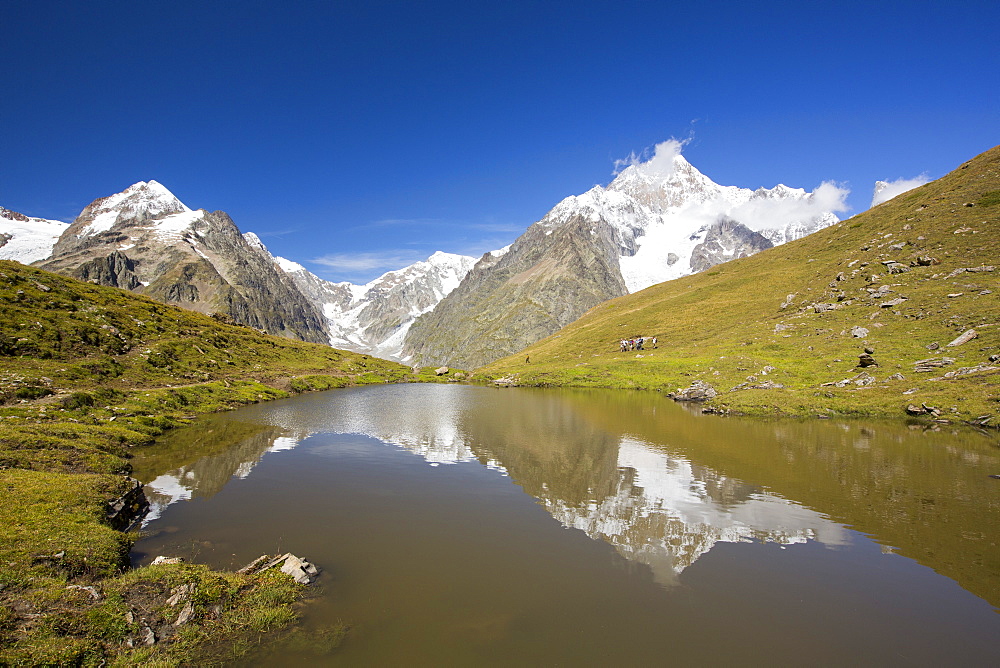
728	323
86	374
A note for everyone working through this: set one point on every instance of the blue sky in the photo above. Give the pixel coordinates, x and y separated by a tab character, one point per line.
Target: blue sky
358	137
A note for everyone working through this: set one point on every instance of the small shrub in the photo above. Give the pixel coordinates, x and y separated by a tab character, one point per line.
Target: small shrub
32	392
78	400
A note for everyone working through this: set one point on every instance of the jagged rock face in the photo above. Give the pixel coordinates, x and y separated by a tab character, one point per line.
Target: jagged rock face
547	279
726	240
27	239
656	221
374	318
145	240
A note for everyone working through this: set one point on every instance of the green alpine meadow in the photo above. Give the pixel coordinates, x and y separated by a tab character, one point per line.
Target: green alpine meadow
894	312
91	374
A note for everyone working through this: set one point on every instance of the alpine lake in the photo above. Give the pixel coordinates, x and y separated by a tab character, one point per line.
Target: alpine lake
462	525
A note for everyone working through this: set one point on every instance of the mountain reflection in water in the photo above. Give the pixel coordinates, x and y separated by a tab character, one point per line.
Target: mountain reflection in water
631	469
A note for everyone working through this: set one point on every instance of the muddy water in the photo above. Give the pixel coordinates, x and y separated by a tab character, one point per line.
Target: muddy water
472	526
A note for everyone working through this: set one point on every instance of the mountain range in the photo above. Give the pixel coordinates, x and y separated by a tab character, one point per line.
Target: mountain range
657	220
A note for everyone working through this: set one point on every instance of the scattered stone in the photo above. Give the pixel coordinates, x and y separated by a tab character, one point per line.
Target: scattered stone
931	364
441	370
147	637
186	612
167	560
995	358
94	594
864	380
865	360
922	409
933	346
788	300
253	565
925	261
779	327
952	295
966	370
869	350
896	376
766	385
299	569
861	380
699	390
898	246
964	337
973	270
180	594
893	302
894	267
822	308
859	332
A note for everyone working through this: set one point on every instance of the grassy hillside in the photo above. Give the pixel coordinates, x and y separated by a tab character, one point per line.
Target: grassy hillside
781	332
88	373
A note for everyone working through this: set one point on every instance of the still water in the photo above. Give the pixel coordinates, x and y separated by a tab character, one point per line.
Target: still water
473	526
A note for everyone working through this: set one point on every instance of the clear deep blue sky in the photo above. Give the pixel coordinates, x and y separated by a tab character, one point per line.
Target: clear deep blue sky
374	133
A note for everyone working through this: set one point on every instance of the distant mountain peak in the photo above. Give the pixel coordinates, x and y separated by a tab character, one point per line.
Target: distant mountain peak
142	200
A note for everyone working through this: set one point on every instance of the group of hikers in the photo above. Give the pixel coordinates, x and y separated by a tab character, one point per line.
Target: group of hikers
637	343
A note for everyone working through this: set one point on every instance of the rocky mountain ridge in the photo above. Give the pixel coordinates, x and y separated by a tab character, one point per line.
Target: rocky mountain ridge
375	317
146	240
658	220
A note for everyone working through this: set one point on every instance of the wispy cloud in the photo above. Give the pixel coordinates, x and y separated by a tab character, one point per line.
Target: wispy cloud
365	263
278	233
488	226
884	193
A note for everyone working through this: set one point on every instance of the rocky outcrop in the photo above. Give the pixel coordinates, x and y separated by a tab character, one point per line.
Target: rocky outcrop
699	390
726	239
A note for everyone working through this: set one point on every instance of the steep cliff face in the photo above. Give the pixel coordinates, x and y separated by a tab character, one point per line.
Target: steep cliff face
544	282
145	240
724	240
656	221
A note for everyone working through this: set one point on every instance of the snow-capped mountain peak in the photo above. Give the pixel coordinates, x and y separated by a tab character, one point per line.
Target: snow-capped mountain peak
140	201
375	317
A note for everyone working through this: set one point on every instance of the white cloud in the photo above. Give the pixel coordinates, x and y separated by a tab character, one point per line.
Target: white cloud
661	164
886	190
760	213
